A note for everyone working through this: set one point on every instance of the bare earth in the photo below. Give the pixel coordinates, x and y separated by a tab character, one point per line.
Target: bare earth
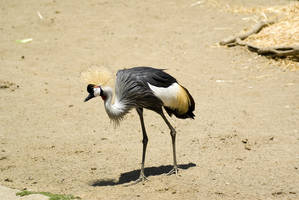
243	144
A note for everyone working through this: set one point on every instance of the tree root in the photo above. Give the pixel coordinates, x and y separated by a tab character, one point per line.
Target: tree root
279	51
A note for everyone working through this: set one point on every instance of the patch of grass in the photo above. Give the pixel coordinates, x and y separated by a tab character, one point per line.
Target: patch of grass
48	194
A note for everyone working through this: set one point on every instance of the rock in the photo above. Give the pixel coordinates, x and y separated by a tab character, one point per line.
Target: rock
245	141
277	193
8	180
248	147
3	158
10	194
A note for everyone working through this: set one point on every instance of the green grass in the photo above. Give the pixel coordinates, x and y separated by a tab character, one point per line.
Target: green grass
48	194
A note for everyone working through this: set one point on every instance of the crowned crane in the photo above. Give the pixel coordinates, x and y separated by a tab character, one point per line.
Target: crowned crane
149	88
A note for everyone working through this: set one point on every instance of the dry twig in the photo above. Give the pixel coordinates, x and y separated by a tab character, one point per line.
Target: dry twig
231	41
278	51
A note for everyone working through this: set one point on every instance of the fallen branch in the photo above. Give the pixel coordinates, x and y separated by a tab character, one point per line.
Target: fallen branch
276	51
231	41
280	51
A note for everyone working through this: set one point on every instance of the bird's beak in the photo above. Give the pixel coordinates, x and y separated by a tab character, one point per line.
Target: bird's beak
90	96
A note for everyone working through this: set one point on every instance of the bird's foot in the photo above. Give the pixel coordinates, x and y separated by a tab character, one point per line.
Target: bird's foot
175	170
142	178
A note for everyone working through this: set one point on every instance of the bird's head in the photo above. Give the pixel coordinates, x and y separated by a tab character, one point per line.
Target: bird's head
94	91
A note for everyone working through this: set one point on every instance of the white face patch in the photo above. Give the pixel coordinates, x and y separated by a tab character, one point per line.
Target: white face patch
167	95
97	91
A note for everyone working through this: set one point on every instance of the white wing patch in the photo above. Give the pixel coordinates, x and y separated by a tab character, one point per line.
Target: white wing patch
174	96
167	95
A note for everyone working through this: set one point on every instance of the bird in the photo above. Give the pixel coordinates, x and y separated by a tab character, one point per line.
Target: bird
149	88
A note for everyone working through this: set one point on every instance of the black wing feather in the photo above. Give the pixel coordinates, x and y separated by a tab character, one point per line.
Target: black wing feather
156	77
132	86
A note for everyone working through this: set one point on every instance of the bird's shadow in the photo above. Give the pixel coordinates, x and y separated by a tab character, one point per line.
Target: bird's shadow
134	175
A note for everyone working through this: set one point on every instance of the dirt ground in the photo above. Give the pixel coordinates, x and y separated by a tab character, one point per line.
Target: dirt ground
243	143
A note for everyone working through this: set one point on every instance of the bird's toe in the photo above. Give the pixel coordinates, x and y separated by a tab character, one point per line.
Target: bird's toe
174	170
141	179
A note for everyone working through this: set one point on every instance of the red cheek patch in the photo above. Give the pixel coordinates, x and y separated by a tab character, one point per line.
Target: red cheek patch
104	97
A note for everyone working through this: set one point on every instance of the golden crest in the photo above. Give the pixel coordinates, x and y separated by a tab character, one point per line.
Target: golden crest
96	76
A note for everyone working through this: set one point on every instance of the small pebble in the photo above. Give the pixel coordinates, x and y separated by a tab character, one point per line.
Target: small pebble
3	158
245	141
292	192
277	193
8	180
247	147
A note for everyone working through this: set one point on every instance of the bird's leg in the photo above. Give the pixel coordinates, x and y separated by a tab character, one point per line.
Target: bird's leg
144	142
172	134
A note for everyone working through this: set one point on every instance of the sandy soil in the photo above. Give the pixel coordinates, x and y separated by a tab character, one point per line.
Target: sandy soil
243	144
